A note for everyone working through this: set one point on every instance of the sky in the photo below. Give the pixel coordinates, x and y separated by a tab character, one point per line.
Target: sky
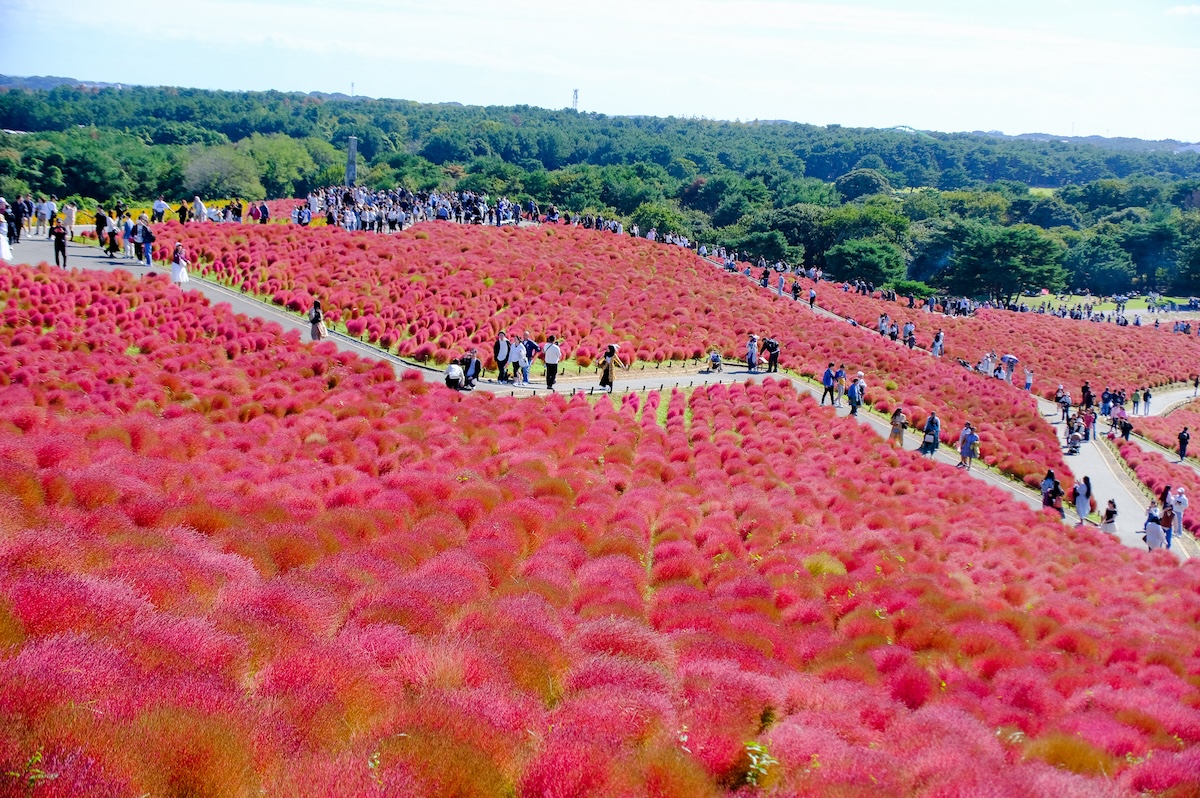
1082	67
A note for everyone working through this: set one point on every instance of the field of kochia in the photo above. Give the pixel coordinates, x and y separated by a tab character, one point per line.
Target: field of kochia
235	563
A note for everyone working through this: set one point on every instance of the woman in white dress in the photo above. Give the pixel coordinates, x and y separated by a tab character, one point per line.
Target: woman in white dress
179	265
199	212
1083	499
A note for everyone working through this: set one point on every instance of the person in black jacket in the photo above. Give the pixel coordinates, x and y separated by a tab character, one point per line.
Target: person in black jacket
58	233
1184	437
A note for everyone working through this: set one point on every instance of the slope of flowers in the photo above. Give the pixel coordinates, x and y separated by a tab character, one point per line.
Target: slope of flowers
235	564
435	290
1164	430
1060	351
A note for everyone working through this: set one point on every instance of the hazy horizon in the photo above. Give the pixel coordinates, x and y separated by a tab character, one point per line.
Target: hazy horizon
1057	67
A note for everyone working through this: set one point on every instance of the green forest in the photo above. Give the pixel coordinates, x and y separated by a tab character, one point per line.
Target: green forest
972	214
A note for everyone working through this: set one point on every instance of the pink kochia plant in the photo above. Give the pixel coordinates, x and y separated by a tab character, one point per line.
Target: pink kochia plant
235	563
436	290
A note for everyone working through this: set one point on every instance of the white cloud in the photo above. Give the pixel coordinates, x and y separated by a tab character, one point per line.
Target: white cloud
1184	11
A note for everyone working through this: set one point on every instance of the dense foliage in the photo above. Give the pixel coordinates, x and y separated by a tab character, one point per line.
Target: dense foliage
437	289
1119	219
235	564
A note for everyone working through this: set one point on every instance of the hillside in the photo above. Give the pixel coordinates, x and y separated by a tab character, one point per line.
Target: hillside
879	205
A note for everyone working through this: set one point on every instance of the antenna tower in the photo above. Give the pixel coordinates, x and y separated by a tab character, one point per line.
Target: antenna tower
575	100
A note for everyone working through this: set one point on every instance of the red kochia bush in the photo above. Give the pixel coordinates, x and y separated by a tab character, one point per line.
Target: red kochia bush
436	290
384	587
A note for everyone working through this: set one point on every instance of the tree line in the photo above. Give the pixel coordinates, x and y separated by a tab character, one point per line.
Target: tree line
977	215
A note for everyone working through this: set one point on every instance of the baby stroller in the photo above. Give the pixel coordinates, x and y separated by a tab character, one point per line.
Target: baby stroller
714	362
1074	440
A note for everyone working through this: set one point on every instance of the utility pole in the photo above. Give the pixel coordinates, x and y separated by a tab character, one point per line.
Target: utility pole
352	162
351	88
575	101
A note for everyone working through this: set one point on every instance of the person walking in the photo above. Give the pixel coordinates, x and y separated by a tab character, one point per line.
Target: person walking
1184	437
69	212
199	212
1028	379
112	230
967	446
608	364
553	356
58	233
933	434
899	424
1137	400
1109	523
101	227
827	382
1179	503
771	347
1146	397
856	393
1083	498
316	320
500	352
812	298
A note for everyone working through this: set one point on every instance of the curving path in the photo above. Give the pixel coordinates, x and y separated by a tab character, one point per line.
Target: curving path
1107	479
1095	460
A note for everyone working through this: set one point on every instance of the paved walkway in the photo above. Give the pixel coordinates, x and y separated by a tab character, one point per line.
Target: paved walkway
1108	481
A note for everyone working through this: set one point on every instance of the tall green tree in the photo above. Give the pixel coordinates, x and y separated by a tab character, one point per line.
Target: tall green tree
1003	262
876	262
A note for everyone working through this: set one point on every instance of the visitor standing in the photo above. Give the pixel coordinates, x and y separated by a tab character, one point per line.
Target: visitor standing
500	351
899	424
1146	397
316	320
608	364
1083	498
1179	503
179	264
812	298
968	446
771	347
933	434
752	354
1109	523
553	355
58	233
1184	437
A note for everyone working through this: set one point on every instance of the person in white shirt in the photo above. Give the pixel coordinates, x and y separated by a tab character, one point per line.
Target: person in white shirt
553	355
199	212
159	208
69	211
42	211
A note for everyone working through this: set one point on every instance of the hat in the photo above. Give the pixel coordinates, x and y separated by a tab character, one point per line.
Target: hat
1179	489
860	374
